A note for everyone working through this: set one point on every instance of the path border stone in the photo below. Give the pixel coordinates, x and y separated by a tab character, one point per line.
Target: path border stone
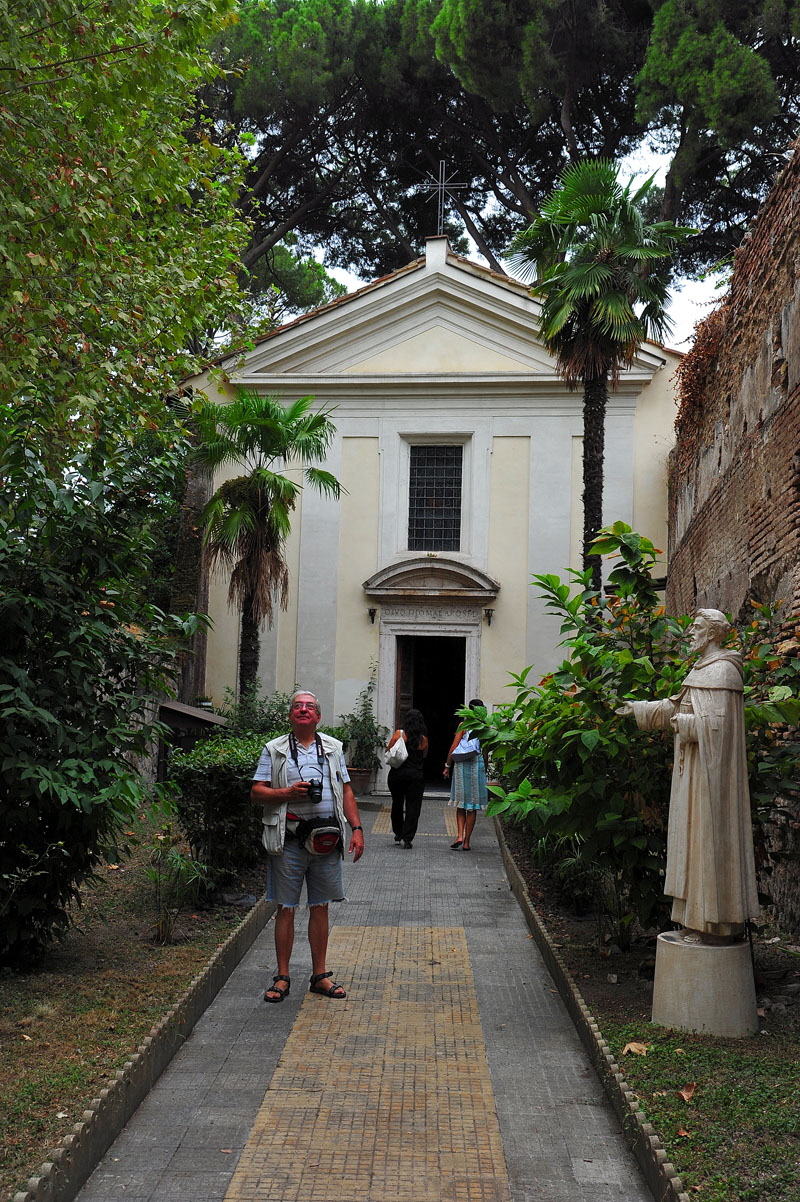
659	1173
71	1164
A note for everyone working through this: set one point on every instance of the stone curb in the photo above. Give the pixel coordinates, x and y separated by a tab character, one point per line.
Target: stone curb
70	1164
660	1174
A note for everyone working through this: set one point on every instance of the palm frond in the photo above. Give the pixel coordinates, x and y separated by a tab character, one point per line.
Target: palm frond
324	482
586	279
614	317
248	519
589	256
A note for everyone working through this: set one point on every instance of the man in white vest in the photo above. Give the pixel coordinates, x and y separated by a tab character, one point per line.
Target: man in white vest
304	788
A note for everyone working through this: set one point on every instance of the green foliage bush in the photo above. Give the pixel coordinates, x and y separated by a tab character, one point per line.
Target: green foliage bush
213	804
252	713
81	656
177	878
592	789
362	735
134	261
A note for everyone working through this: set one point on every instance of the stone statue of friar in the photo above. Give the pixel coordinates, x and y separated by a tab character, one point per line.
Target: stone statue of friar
711	872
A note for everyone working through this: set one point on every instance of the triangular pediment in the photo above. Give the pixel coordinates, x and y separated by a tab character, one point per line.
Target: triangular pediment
440	348
440	315
430	578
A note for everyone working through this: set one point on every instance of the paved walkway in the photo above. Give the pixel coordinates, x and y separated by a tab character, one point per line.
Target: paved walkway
451	1073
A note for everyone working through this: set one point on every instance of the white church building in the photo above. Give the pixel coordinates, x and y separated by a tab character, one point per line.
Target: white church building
460	452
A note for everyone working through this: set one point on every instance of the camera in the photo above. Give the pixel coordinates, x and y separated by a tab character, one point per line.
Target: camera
314	791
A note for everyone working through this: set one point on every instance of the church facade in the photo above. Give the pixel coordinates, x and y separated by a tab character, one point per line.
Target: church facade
459	450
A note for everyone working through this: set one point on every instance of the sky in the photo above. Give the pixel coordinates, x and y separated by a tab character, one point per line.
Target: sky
692	300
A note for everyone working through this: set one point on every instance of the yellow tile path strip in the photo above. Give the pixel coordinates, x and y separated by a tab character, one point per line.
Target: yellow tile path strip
383	824
385	1097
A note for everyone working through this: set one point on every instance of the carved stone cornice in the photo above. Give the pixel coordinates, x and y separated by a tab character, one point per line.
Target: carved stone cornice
432	580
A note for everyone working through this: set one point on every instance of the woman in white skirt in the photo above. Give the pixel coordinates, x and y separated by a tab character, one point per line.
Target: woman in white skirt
467	773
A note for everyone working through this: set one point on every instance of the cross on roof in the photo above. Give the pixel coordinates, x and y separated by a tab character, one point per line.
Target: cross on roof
443	186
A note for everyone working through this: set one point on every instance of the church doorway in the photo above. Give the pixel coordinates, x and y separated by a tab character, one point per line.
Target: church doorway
430	678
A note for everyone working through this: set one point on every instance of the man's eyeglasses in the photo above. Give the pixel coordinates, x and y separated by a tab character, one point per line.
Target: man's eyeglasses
304	705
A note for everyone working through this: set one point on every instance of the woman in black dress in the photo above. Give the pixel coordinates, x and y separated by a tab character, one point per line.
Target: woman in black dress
407	783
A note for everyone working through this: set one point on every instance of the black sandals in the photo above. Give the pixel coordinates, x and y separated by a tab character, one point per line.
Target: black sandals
282	993
336	992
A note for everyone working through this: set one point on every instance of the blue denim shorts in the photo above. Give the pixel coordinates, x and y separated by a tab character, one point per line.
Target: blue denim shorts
286	873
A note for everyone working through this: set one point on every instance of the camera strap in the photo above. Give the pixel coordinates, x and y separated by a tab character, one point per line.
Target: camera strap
293	751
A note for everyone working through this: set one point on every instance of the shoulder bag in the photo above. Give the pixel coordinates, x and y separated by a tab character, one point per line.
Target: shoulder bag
397	753
467	748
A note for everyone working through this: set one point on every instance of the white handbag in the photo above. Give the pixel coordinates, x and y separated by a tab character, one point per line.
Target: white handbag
467	748
397	753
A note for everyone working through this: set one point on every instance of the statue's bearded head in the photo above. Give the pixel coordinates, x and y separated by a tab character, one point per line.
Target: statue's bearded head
709	626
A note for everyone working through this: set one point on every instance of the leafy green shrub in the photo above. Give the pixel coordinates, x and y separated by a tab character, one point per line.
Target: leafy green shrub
361	733
213	781
336	732
771	713
253	714
81	656
176	876
592	787
772	704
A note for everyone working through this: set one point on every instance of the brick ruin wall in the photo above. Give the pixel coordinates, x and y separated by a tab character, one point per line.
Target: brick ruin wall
734	474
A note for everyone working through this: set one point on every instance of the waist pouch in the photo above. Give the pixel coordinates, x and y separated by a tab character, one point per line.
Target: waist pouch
319	836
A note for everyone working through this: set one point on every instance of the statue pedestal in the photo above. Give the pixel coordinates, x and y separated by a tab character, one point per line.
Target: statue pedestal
703	988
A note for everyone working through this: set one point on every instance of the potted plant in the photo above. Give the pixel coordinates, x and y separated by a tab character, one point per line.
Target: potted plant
364	738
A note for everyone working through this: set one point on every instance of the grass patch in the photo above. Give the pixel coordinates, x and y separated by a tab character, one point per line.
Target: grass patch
737	1137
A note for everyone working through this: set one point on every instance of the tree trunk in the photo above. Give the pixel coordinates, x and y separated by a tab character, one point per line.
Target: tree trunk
595	397
190	584
248	649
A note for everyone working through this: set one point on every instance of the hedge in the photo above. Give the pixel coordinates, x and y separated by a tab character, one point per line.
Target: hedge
221	824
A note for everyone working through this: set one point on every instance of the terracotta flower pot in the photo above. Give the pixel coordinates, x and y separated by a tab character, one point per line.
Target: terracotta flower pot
360	780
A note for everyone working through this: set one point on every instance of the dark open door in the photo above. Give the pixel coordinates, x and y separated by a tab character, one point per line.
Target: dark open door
430	678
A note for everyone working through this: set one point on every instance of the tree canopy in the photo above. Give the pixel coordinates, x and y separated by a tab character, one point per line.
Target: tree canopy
348	106
117	238
119	244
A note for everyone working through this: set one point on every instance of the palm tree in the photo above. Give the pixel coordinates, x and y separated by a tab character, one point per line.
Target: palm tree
248	517
591	253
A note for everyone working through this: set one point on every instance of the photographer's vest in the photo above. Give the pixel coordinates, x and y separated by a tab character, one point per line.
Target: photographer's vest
279	754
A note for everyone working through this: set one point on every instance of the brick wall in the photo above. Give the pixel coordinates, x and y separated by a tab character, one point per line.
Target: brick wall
734	474
735	471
